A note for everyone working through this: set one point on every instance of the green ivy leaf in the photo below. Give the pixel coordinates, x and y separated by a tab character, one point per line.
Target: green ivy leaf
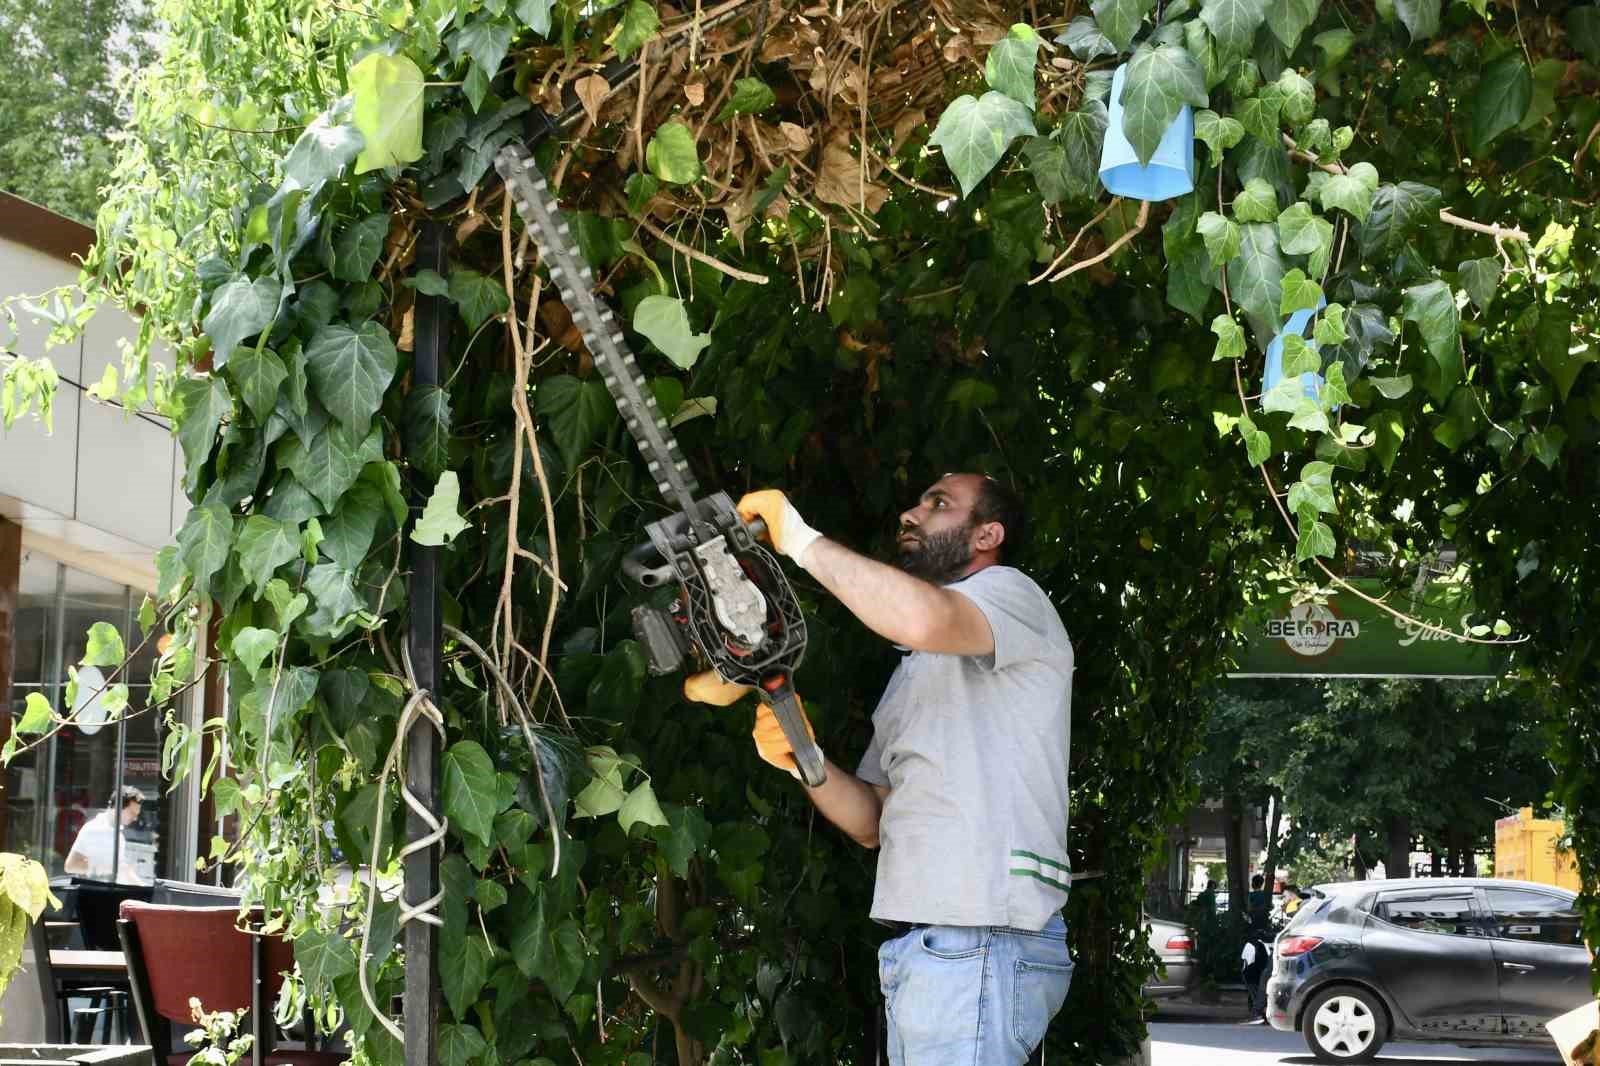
1291	18
751	96
671	154
441	522
1299	293
1301	232
1299	357
1299	96
463	968
350	369
1315	488
103	646
975	132
459	1045
1432	306
485	41
1257	443
1553	340
264	545
1256	202
576	411
1334	392
1397	210
1259	114
1421	17
1081	134
600	797
429	283
1233	23
1230	338
1315	538
1119	19
639	23
240	309
1479	277
1010	65
1257	277
330	464
356	249
665	321
205	541
253	646
477	296
334	590
566	960
685	835
640	808
323	957
36	715
1221	237
258	373
1084	39
1219	133
205	403
387	94
469	788
1329	329
1351	192
323	150
535	14
1502	99
1391	388
1159	82
427	429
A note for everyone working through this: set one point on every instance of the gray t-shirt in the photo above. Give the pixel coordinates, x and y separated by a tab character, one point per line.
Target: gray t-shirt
973	750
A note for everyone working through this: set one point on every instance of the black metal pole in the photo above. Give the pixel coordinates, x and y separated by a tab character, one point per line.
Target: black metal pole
431	334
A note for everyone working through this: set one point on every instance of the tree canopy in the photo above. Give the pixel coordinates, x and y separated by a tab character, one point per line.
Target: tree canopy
858	244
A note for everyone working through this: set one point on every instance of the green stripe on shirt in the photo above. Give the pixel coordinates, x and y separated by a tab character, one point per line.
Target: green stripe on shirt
1018	854
1037	876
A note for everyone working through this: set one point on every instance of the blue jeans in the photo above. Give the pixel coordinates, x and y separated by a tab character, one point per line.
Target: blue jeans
972	995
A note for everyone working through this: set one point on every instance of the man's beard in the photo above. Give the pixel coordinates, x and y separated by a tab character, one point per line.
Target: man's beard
940	558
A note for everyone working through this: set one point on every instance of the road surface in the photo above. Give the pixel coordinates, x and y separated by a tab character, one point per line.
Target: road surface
1219	1043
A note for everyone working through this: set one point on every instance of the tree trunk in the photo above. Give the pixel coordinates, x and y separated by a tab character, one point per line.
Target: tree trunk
1397	858
1269	870
1433	864
1233	819
1359	862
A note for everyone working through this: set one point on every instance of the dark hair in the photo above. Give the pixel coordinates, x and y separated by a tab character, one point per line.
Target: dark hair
1257	881
128	795
998	502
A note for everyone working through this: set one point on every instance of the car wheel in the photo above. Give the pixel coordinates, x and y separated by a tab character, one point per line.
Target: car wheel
1344	1024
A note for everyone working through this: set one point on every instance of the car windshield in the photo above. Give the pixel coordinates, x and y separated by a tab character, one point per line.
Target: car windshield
1307	910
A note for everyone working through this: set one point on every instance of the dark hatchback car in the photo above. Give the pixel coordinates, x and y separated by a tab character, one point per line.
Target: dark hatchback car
1473	961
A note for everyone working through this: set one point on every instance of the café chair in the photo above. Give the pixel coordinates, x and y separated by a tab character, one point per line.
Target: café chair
108	1005
176	953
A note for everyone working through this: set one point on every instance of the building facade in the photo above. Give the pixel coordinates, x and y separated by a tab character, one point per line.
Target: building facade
84	507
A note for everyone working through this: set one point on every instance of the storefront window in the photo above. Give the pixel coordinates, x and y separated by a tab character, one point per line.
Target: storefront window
67	797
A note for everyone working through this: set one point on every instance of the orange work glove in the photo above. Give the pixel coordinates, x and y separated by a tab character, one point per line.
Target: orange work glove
786	530
771	744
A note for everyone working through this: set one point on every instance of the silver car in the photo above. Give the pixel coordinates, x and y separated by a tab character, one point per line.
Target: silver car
1174	942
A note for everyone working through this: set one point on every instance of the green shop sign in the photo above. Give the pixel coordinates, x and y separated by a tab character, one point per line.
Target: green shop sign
1348	637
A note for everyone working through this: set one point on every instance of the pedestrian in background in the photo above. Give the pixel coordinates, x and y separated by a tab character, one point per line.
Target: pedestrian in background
1255	958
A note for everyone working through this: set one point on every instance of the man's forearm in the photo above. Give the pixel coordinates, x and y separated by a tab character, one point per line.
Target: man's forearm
849	803
898	607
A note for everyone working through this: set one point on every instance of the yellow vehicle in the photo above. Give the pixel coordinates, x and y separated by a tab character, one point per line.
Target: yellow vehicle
1525	849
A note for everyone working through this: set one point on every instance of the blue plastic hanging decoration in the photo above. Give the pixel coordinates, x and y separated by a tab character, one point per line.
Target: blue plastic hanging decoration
1299	323
1170	172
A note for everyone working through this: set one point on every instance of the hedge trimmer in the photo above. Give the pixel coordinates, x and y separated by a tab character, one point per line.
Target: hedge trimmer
735	611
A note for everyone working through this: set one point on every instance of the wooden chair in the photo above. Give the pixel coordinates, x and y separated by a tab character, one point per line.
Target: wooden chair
175	953
107	1004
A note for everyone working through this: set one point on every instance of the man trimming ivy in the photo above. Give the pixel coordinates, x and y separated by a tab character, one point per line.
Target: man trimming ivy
964	786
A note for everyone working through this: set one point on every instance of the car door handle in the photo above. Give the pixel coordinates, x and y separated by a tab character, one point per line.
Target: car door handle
1518	967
